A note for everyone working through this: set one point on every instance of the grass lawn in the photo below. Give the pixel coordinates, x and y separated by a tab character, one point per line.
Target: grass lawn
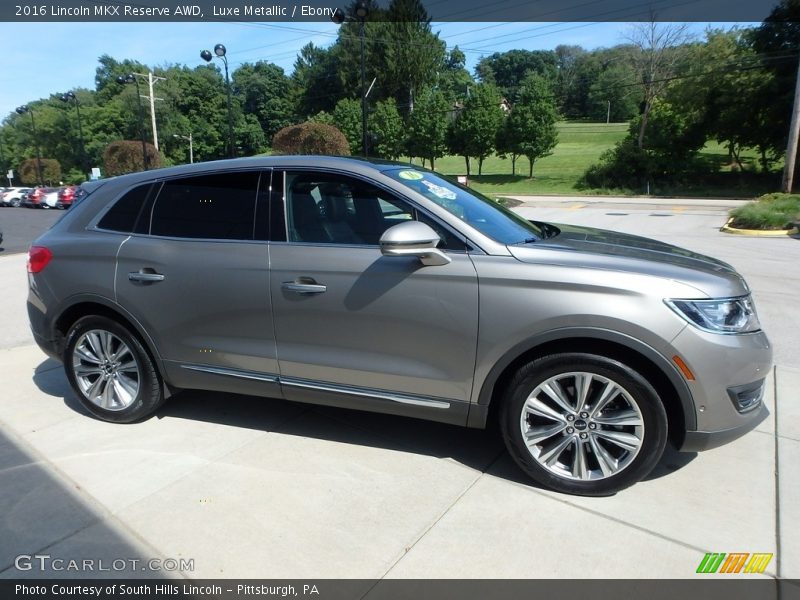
579	146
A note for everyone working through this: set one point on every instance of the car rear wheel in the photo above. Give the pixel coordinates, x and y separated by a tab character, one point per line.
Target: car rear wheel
583	424
110	371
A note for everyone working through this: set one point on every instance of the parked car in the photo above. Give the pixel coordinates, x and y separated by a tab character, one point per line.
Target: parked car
66	195
34	198
50	197
386	287
13	196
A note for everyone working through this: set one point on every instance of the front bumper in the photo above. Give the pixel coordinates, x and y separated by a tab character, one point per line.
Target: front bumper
730	375
697	441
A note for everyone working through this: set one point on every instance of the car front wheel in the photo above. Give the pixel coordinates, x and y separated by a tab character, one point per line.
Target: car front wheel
583	424
110	371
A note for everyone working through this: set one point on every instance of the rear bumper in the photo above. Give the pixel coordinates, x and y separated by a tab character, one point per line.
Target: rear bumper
40	329
697	441
49	347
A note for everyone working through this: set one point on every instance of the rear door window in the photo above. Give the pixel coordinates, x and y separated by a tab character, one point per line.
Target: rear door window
124	214
219	206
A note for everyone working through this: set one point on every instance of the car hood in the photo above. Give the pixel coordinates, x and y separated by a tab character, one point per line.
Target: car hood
601	249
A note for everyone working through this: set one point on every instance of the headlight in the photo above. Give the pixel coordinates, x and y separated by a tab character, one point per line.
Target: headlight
725	315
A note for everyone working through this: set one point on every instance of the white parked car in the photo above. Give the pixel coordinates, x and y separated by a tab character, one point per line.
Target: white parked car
50	197
13	196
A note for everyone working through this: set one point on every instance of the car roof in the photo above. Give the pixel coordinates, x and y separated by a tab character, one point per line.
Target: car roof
349	163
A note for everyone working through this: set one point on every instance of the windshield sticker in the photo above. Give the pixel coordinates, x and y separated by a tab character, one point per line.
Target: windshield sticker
412	175
439	191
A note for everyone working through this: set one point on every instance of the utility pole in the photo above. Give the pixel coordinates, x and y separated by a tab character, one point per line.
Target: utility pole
794	131
608	113
152	79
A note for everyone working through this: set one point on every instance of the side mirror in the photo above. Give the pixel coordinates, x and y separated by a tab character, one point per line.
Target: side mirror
414	238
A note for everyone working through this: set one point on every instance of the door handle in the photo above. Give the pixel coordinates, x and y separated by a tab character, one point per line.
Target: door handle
303	288
145	277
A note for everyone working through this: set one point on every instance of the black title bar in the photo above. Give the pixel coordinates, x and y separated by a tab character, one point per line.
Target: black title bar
438	10
713	588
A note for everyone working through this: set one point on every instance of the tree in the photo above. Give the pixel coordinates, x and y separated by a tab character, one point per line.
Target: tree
778	36
195	101
656	61
386	124
567	61
106	74
531	125
614	94
316	84
264	91
504	144
427	126
347	119
506	70
413	54
453	79
670	147
719	93
474	131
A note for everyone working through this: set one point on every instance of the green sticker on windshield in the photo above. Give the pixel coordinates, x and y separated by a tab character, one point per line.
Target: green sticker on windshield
413	175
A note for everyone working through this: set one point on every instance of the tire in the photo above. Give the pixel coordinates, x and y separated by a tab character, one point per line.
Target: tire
110	371
15	202
595	447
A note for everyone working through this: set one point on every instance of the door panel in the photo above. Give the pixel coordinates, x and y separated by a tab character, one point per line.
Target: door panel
212	306
387	323
199	283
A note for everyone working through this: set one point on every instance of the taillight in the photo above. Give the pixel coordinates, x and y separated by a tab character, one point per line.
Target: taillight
38	258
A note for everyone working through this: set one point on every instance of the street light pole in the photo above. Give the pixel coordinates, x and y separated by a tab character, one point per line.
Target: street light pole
131	78
363	91
22	110
361	12
221	53
191	146
66	98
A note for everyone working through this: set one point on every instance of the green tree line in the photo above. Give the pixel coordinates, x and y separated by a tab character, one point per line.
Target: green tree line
732	86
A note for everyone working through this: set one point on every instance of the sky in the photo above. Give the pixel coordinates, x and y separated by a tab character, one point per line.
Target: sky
41	59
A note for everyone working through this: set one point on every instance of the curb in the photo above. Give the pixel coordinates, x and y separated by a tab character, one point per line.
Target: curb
758	232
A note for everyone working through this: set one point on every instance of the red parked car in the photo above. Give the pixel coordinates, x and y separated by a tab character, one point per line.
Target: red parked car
35	198
66	196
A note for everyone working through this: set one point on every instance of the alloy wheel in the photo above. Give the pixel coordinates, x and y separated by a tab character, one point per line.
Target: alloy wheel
582	426
106	370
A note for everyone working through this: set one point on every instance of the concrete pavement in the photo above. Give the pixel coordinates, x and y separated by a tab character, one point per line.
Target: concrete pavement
247	487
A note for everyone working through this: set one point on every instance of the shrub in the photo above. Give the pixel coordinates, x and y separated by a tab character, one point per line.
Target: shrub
310	138
126	157
51	171
771	211
669	154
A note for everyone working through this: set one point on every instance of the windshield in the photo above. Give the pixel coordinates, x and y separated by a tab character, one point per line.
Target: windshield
475	209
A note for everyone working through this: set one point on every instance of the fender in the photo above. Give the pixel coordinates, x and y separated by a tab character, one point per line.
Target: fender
479	411
71	301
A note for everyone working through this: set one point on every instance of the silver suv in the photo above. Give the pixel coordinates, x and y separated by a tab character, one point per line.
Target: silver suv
386	287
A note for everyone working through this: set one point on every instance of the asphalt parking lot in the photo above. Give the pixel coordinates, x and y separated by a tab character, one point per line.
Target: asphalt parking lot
20	226
243	487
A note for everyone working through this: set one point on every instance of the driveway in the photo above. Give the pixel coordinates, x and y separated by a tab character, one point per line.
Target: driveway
244	487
